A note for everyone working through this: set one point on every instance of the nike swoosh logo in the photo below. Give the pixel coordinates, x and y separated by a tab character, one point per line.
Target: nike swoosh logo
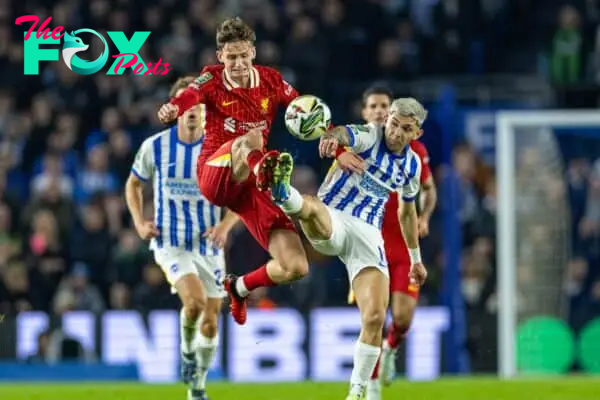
228	103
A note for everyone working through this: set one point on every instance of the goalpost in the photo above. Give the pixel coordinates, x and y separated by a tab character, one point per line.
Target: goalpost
537	127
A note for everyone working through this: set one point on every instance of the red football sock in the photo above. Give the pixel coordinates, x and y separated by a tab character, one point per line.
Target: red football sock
375	374
395	336
254	158
258	278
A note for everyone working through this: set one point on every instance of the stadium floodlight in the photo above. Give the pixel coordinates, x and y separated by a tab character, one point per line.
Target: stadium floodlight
531	129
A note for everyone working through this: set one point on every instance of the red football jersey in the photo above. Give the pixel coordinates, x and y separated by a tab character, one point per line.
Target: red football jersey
392	233
232	110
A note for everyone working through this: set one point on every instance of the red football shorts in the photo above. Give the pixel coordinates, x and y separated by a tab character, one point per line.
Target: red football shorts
399	267
255	208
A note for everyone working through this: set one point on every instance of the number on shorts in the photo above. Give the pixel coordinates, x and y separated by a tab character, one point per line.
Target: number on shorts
219	277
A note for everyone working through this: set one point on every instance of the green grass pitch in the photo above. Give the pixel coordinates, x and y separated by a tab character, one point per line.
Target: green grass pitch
446	389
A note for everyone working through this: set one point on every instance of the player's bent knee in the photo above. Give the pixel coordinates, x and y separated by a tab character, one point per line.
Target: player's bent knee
403	311
295	267
373	317
209	326
251	141
193	304
402	322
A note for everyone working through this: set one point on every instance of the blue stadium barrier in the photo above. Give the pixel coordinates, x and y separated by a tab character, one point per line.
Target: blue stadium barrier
12	372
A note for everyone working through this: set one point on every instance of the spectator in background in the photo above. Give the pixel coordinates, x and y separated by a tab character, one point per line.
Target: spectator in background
16	294
121	154
52	200
119	297
52	174
46	254
305	53
81	295
567	57
153	293
9	242
96	177
60	143
575	289
91	243
127	259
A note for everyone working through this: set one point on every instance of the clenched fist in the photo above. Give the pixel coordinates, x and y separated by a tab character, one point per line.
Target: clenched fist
328	146
418	274
168	113
147	230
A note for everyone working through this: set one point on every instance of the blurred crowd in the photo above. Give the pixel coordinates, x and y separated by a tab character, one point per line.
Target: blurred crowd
68	140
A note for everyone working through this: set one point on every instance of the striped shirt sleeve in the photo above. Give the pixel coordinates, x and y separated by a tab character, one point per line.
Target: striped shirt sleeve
413	182
362	137
143	165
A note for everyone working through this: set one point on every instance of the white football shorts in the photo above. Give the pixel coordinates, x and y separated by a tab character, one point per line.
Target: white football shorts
176	263
357	244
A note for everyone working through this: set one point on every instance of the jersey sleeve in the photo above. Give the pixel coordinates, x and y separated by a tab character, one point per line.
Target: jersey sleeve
194	94
362	137
143	165
286	92
413	183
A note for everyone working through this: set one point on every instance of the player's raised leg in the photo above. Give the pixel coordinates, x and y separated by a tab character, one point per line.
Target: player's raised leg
248	156
309	211
289	261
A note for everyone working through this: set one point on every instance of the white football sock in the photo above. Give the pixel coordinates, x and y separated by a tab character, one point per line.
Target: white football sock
187	331
241	288
293	204
365	359
206	349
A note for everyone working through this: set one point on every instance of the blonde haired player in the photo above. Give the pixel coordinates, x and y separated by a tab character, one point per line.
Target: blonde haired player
186	236
403	295
345	220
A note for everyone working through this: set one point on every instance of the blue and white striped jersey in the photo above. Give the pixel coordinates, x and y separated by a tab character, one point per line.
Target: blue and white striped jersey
181	213
364	196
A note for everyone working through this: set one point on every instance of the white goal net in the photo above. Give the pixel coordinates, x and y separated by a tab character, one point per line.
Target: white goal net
533	240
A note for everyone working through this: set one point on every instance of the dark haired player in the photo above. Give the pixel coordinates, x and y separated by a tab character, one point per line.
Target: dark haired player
234	169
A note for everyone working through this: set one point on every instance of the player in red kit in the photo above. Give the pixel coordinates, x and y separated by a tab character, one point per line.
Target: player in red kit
234	169
404	295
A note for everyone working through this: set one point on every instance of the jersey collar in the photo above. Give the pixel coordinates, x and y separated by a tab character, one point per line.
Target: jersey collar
230	84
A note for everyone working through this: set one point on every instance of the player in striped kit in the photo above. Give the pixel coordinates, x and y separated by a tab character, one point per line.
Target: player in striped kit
186	236
403	295
345	220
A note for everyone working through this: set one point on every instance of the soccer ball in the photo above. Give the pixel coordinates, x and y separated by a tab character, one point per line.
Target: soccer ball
307	117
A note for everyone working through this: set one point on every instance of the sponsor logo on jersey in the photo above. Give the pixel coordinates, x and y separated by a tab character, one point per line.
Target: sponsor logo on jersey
228	103
264	104
372	187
